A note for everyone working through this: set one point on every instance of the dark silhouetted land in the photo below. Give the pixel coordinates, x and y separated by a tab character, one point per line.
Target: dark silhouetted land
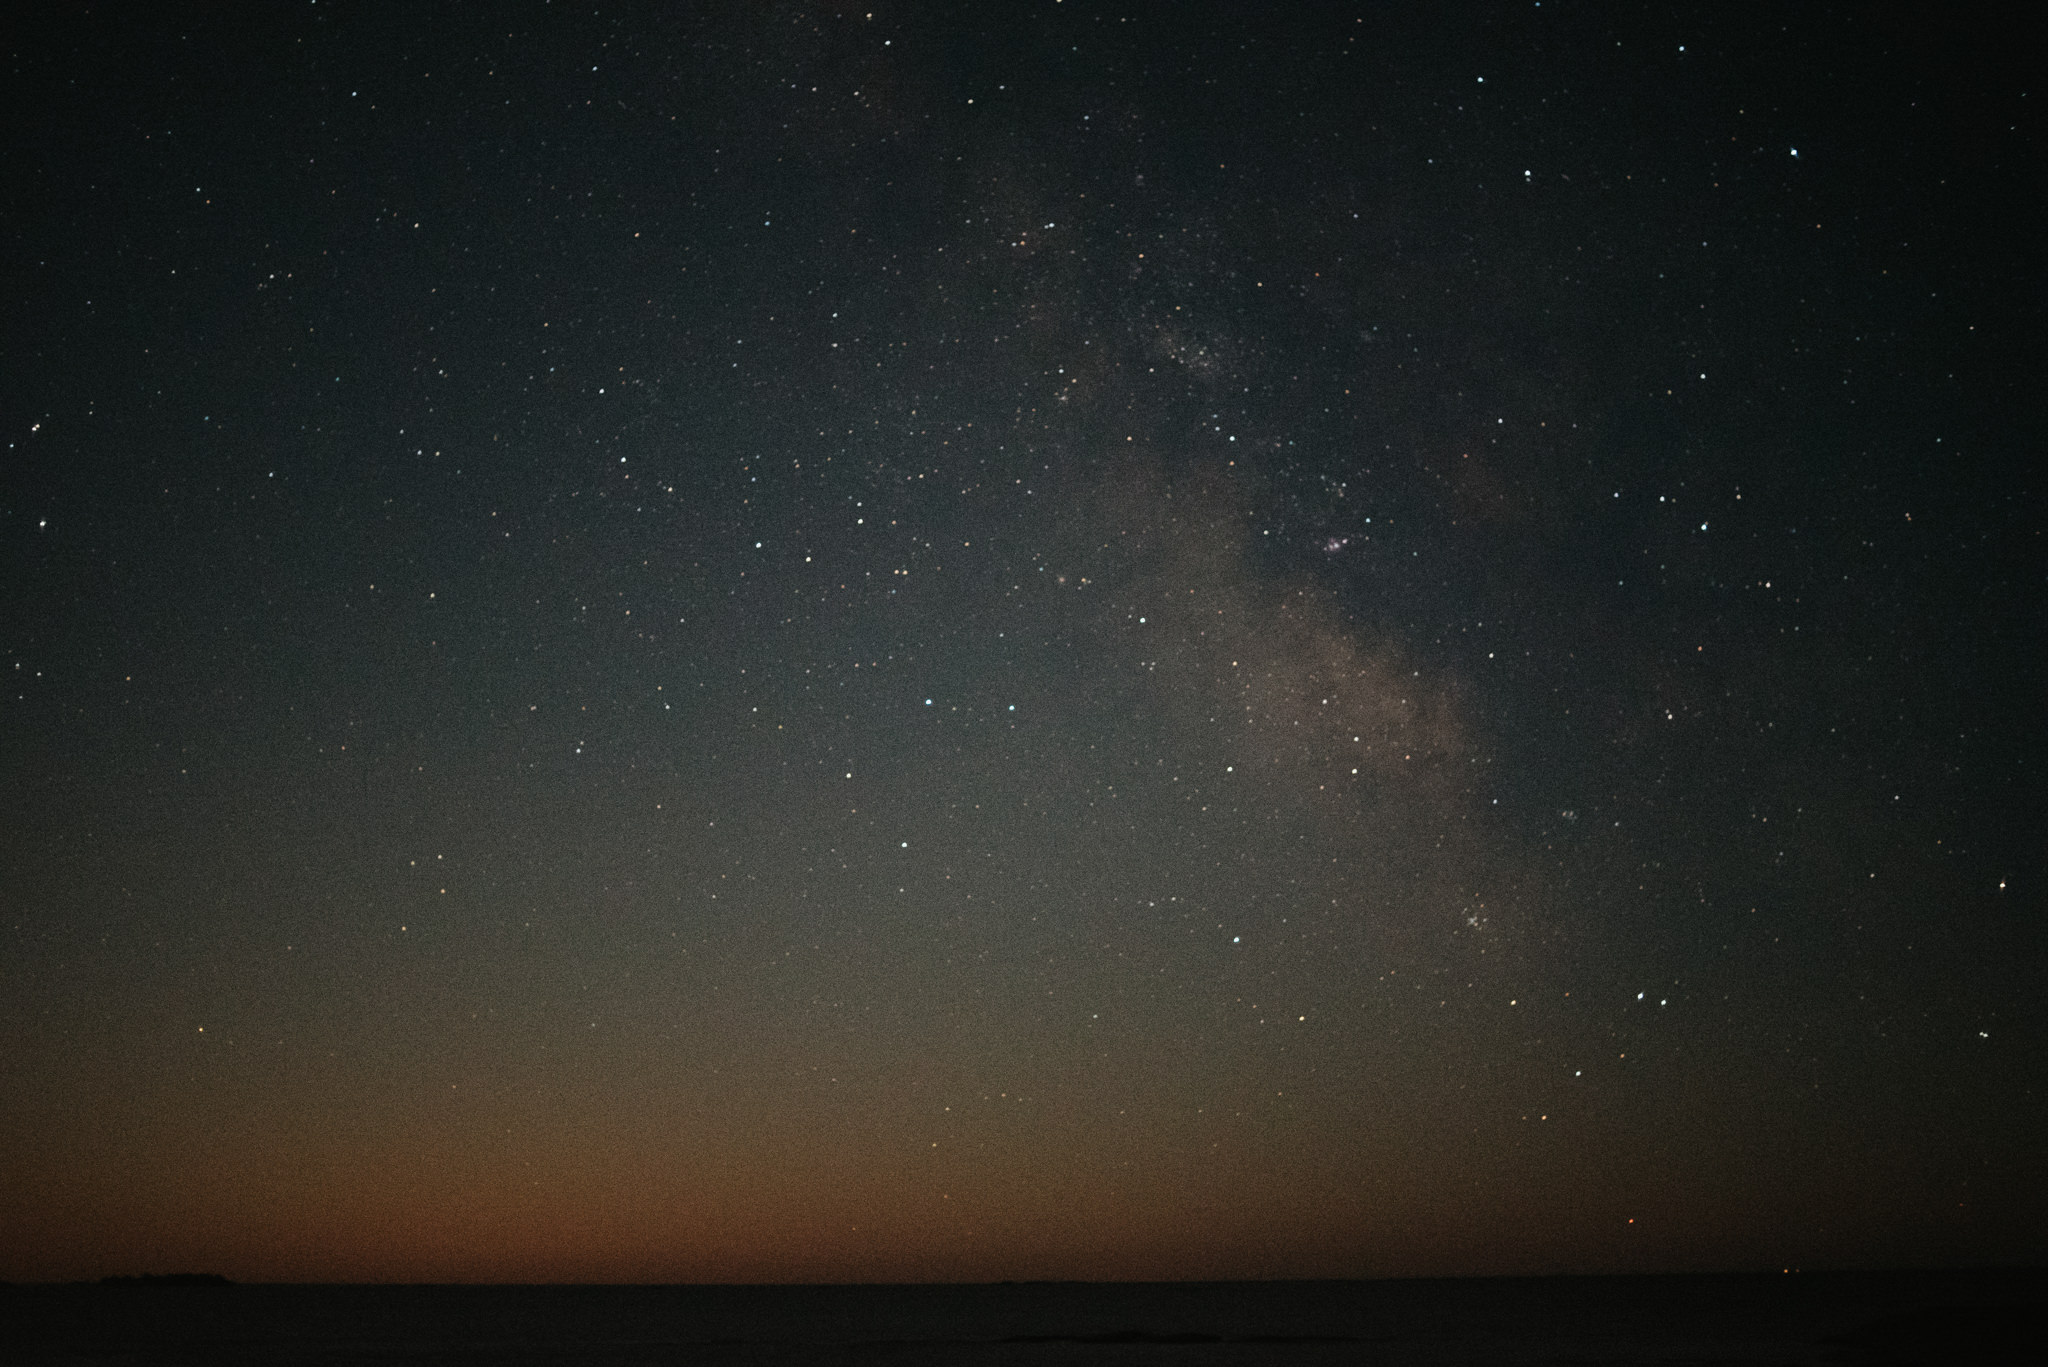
1824	1318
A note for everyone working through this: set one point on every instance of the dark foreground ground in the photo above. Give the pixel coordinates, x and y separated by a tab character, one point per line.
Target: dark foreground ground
1821	1318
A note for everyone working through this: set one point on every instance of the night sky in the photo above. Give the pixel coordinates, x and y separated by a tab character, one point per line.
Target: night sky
796	642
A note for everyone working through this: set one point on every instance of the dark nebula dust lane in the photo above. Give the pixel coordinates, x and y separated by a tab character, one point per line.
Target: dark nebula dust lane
800	643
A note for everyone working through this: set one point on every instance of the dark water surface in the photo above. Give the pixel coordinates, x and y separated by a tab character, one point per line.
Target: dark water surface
1847	1318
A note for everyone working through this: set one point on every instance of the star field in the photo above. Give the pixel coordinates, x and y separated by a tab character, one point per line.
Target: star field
806	643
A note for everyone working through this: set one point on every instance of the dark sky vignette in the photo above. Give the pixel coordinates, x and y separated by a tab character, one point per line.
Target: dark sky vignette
817	643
